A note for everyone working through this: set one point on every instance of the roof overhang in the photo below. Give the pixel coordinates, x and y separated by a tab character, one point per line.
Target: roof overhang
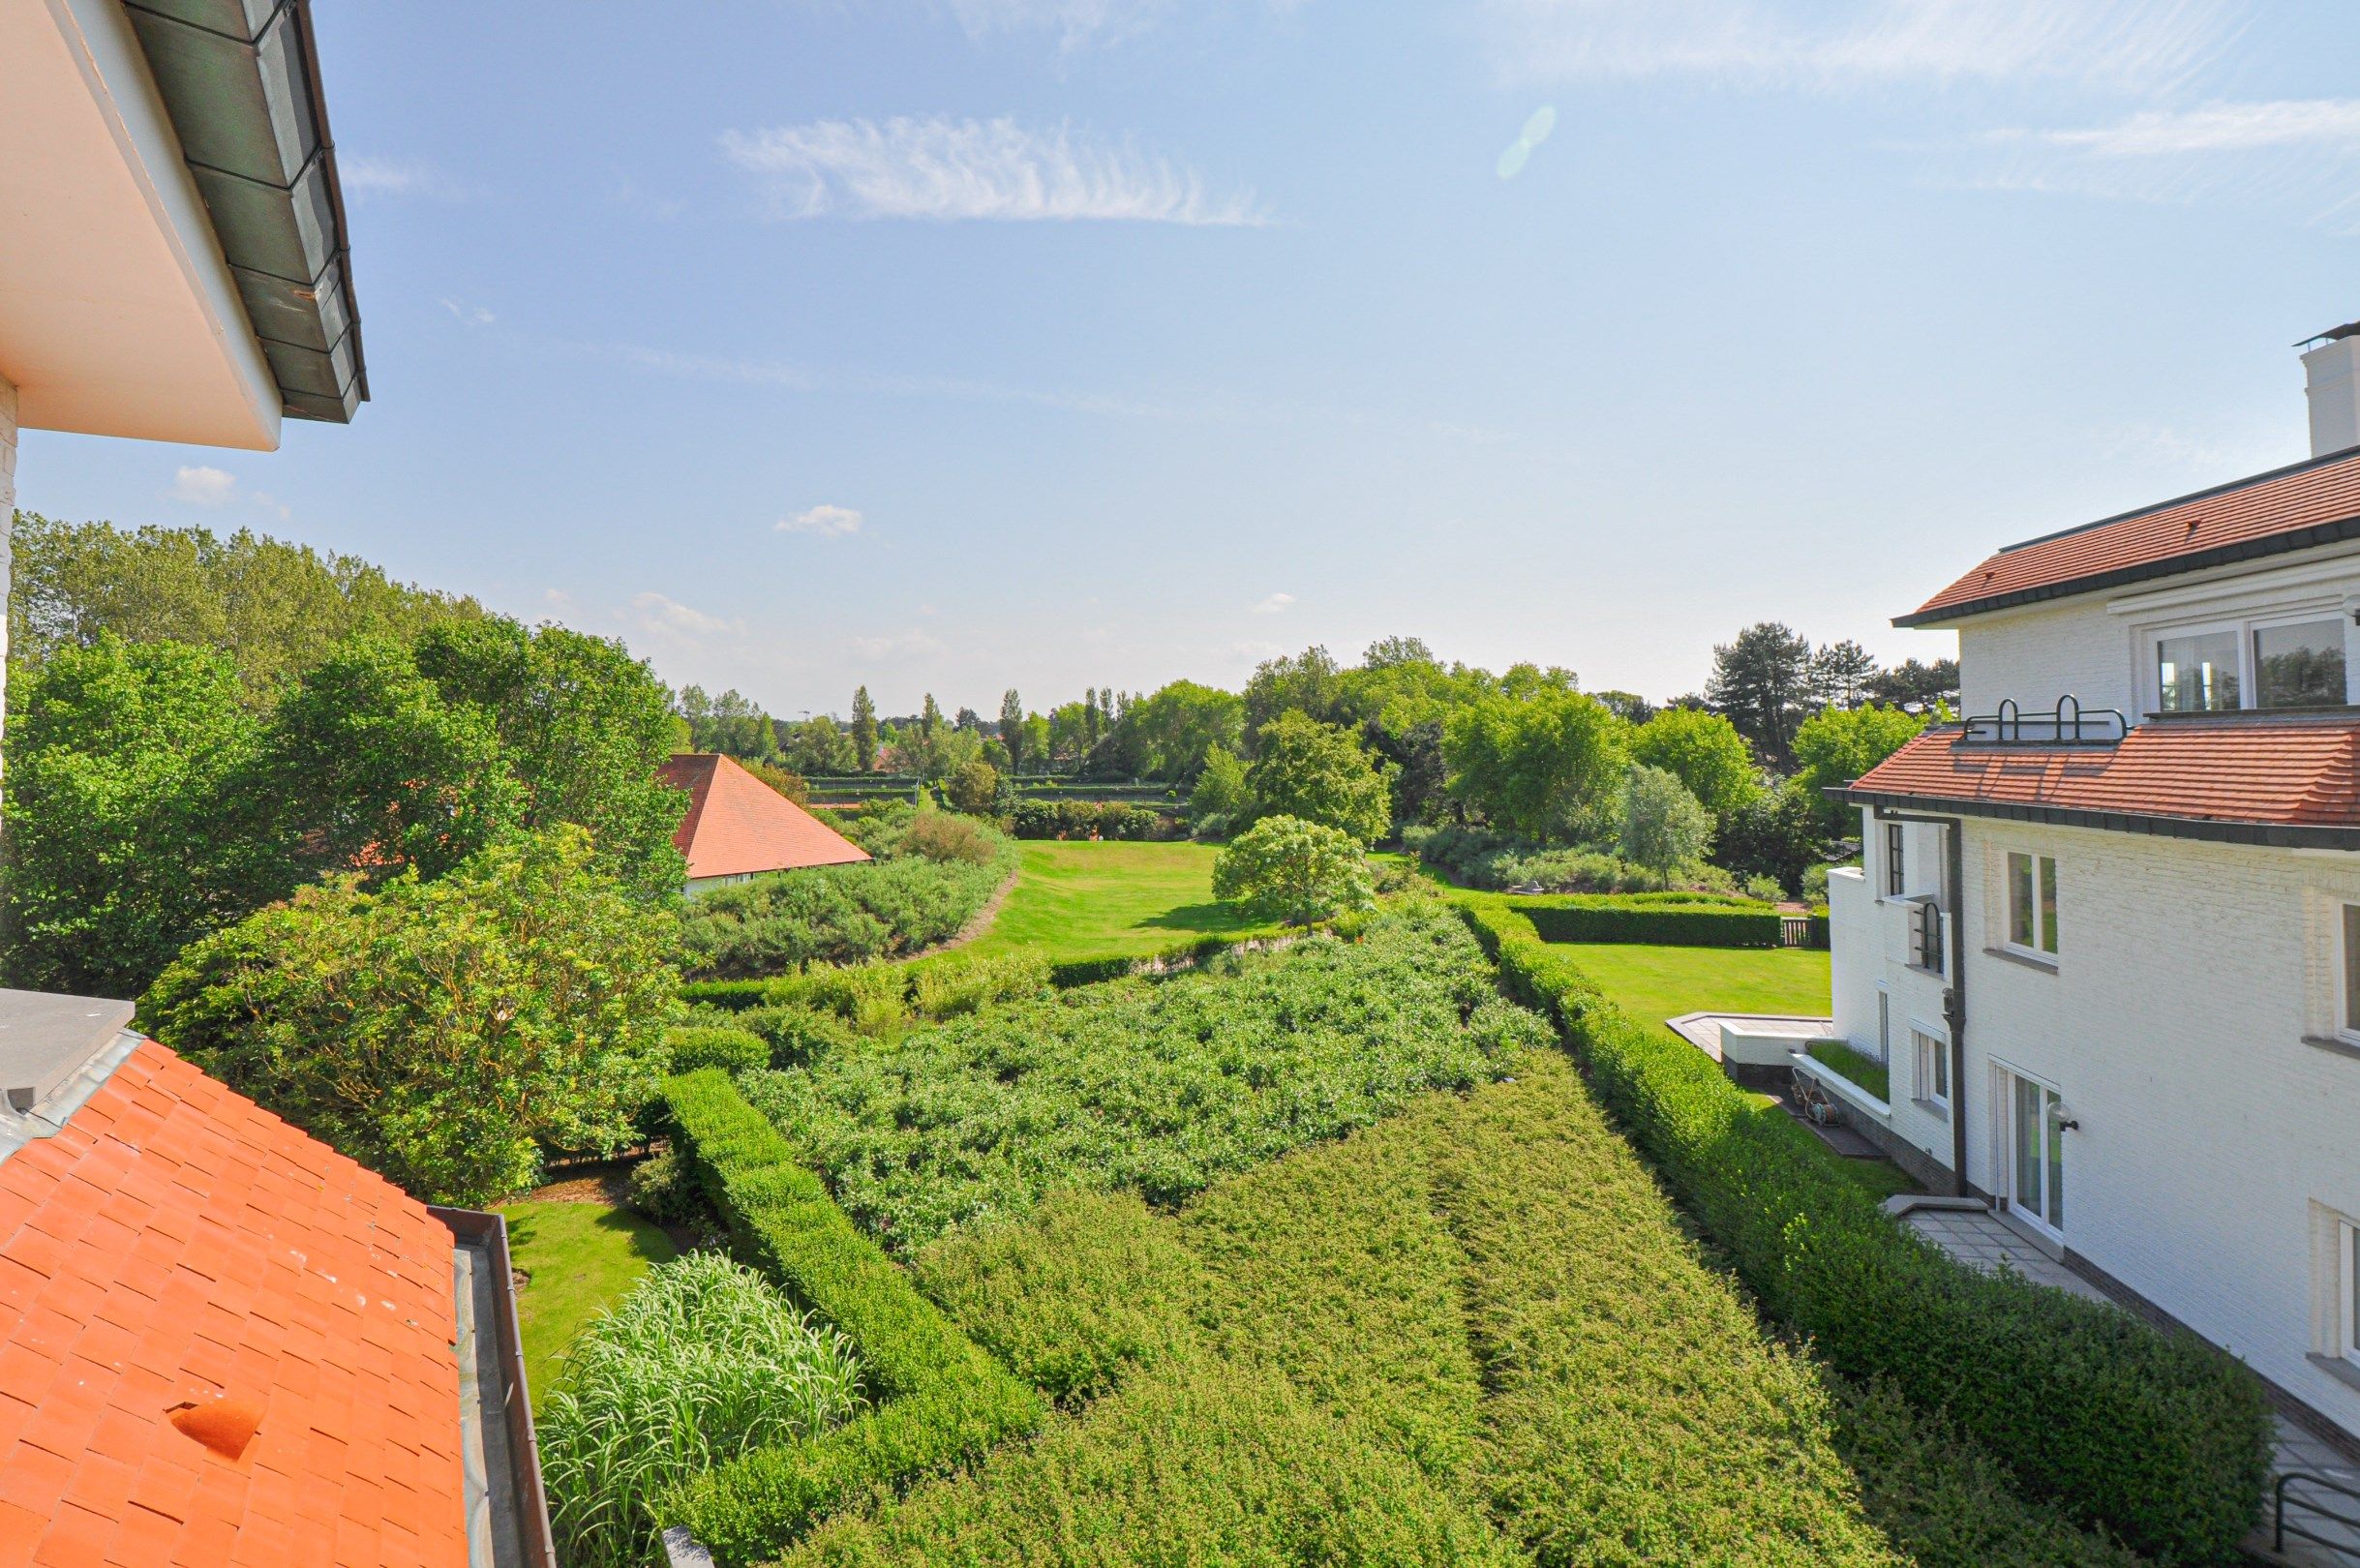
2275	835
176	260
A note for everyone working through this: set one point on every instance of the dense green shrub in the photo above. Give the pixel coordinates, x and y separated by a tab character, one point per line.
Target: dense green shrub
1153	1086
700	1363
1093	1284
1669	926
1091	819
846	914
664	1188
1479	857
940	1396
691	1047
1283	868
2157	1437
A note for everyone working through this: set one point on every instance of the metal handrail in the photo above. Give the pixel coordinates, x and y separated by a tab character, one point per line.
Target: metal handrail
2069	725
2280	1529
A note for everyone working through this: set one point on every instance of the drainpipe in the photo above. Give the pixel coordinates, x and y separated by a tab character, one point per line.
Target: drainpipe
1955	1000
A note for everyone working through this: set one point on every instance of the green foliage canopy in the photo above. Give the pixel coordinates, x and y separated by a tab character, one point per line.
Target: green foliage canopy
1837	746
1537	765
1704	751
1663	824
1319	774
1284	868
438	1031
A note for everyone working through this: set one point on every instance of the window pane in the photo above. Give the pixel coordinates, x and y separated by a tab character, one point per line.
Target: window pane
2056	1160
2019	900
2029	1168
2048	904
2351	967
2299	666
2198	674
1892	859
1884	1027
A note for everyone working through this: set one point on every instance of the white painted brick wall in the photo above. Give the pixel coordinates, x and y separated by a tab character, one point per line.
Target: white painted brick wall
1868	937
2212	1137
2035	656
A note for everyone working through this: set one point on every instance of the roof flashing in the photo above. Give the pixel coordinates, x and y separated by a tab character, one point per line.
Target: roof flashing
45	1040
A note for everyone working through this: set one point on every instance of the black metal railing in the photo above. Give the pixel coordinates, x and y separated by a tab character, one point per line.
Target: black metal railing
2320	1511
2068	724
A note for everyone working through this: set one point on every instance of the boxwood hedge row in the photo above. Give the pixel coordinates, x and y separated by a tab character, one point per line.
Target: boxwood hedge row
939	1397
1584	920
2157	1437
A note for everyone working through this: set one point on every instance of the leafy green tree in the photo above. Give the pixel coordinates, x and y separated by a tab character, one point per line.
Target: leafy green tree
930	718
1307	683
975	788
1835	747
1320	774
130	830
1036	743
584	726
438	1031
1628	705
1011	729
1284	868
1176	726
1071	728
1664	827
731	724
1762	683
864	731
819	745
273	608
1542	766
1911	683
380	773
1705	752
1220	798
1780	833
1387	652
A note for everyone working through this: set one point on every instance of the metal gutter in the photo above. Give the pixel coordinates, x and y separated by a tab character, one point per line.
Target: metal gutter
2268	835
240	80
507	1511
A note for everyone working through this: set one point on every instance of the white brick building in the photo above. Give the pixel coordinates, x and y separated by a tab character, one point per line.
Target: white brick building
2111	955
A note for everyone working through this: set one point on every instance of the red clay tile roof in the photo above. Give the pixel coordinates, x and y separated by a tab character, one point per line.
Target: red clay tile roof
174	1244
737	824
2286	773
2311	503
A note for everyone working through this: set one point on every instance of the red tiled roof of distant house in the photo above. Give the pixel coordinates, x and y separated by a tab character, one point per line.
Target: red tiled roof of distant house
177	1260
2312	503
2290	773
737	825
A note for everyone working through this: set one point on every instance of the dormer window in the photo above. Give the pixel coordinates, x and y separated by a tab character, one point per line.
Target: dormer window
2292	662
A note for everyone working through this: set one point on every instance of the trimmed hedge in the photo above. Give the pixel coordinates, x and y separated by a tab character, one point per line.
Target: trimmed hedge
1091	819
739	995
691	1047
2158	1438
1667	926
941	1398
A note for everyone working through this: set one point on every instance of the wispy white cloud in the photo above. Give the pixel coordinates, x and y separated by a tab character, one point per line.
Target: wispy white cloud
824	520
204	486
398	177
703	366
909	645
469	314
1275	603
1080	24
1837	44
667	616
2296	154
947	169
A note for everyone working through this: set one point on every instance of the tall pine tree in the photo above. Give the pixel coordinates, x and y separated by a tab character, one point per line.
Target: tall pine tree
863	730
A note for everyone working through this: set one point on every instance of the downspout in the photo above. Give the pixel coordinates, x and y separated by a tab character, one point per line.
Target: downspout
1954	999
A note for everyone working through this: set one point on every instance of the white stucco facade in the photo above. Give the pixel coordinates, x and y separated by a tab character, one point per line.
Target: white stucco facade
8	513
2189	1022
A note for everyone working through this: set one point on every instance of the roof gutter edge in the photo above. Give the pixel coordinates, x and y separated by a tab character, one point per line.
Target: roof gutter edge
2211	830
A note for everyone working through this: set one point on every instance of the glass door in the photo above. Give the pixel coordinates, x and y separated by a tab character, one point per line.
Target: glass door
2036	1153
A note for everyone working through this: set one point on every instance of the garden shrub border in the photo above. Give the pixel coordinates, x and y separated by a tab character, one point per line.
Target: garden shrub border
737	996
2155	1435
1578	919
940	1398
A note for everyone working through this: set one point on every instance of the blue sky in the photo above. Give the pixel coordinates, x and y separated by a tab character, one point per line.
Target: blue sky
1059	343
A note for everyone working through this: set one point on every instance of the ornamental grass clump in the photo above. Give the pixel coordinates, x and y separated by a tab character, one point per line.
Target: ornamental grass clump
702	1363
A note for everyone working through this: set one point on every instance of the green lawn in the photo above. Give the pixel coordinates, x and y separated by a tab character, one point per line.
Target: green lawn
582	1258
1085	900
1656	983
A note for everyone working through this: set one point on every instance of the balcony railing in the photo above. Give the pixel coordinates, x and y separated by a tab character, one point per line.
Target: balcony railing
2068	724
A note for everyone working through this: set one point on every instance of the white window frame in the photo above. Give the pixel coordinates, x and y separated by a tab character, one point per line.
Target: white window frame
2348	1002
2242	629
1885	1023
1929	1088
2348	1298
1896	861
2042	929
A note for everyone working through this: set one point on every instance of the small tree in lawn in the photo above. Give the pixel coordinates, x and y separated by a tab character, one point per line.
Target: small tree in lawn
1320	773
1284	868
1221	794
1663	824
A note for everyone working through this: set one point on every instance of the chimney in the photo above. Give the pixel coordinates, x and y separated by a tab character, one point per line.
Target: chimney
2331	377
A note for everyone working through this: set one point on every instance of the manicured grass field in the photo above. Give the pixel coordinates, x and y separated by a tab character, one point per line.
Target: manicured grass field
1086	900
1655	984
582	1258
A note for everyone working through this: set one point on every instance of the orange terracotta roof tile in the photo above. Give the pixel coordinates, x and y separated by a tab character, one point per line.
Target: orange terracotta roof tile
168	1248
737	825
2311	503
2287	778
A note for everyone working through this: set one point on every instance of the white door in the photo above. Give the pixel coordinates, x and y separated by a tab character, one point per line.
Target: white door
2036	1151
